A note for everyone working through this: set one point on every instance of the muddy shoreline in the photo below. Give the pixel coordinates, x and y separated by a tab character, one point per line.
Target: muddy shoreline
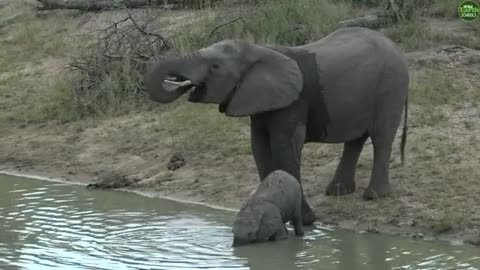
32	174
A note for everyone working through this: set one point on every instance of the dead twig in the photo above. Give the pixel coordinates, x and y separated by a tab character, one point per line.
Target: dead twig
218	27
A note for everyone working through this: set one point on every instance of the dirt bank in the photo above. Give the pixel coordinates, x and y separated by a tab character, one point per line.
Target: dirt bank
435	194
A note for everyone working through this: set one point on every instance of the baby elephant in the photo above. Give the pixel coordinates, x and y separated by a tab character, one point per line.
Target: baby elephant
276	201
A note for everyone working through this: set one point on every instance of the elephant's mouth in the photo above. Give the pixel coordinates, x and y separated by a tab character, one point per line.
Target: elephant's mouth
197	92
223	106
180	83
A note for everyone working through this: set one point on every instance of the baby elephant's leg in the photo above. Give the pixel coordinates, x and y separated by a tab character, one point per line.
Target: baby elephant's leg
281	233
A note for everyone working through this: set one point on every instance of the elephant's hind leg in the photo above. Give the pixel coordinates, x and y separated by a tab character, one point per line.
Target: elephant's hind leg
383	135
379	185
344	180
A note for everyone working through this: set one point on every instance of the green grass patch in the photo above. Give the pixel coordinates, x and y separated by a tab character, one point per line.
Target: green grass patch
202	127
345	206
449	219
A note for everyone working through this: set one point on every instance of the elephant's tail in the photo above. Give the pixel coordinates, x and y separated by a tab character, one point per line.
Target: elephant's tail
404	132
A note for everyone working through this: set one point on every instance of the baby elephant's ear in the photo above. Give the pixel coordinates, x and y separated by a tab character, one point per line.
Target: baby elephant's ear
267	226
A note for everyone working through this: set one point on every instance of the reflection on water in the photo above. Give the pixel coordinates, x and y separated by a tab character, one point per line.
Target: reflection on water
45	225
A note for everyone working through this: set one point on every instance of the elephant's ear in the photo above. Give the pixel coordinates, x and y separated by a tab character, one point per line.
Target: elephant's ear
273	81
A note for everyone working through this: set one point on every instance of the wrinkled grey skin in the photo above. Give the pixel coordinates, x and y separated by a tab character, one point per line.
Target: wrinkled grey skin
359	75
277	200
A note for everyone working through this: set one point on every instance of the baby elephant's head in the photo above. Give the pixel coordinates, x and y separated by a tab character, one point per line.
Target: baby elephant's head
246	226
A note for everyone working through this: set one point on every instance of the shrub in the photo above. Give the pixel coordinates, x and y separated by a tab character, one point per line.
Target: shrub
109	77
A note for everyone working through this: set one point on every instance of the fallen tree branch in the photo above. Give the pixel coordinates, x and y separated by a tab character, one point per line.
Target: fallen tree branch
369	21
96	5
394	11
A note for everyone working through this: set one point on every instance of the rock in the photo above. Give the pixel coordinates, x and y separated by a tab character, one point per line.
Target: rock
473	240
176	161
393	221
418	236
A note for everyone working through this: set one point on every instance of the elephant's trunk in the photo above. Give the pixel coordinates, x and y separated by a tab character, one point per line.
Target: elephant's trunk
164	89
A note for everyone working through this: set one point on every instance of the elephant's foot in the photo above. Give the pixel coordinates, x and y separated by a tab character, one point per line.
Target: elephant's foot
308	217
374	192
338	188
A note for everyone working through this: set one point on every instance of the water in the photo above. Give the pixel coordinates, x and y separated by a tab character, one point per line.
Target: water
46	225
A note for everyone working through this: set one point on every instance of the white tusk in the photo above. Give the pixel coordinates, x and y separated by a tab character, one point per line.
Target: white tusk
184	83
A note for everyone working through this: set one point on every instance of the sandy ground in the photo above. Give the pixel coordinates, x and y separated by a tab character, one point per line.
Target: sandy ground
435	194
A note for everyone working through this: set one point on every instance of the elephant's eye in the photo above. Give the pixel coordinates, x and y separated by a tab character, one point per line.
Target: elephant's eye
215	66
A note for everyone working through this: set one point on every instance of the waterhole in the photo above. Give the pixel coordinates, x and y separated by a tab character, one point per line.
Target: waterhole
49	225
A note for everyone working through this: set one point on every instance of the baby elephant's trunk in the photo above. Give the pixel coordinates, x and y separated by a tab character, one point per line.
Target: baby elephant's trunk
239	242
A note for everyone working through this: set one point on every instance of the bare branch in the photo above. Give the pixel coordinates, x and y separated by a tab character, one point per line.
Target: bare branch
218	27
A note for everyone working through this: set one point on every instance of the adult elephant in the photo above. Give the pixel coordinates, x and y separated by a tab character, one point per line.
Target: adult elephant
348	86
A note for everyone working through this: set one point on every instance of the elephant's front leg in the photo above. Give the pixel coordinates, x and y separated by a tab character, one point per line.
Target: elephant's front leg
260	144
286	147
280	234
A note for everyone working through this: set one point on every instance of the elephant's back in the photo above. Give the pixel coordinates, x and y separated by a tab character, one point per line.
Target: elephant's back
351	64
351	43
278	181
